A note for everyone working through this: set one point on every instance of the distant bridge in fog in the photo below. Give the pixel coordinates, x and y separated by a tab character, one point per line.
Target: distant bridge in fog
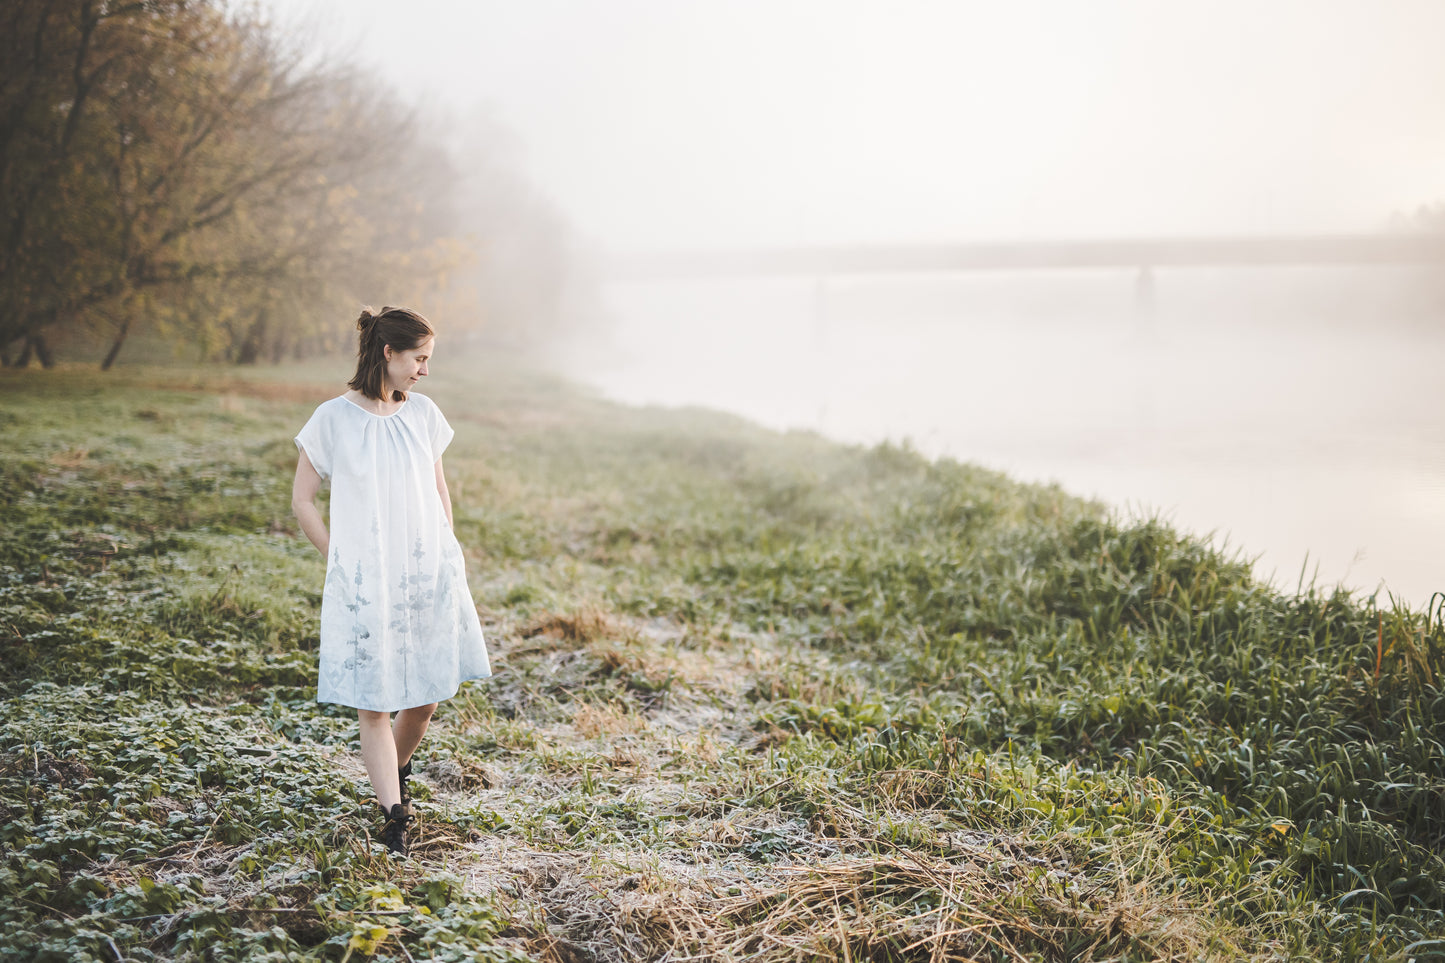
1143	254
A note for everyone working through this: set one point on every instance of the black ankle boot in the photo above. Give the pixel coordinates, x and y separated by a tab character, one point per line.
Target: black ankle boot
401	775
393	831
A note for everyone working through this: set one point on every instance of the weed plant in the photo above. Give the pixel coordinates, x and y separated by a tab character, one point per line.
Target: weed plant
759	697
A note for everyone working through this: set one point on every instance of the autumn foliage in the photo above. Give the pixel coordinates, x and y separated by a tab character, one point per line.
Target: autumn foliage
174	165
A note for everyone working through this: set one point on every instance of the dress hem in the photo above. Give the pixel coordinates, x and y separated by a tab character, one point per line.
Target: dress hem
452	694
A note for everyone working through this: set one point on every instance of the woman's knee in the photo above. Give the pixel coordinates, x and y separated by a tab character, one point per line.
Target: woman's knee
368	717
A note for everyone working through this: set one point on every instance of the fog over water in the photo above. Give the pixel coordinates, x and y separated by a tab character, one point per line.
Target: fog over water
1295	413
1295	410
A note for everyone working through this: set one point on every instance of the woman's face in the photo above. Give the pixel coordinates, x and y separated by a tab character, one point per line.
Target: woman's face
405	368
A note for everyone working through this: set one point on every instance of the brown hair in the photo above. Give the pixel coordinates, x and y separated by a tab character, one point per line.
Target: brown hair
398	328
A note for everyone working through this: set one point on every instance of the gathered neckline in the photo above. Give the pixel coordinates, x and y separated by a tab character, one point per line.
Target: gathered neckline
372	413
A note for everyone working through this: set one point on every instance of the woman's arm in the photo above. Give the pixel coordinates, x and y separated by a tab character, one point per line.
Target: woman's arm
303	503
442	491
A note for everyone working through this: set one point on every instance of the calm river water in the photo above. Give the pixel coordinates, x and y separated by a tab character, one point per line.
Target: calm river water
1295	414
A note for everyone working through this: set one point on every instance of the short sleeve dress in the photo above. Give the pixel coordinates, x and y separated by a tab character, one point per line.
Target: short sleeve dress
398	625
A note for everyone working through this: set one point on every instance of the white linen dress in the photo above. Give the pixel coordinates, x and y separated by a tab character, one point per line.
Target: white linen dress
398	625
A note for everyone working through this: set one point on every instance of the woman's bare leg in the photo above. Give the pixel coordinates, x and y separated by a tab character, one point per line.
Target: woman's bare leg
410	726
378	752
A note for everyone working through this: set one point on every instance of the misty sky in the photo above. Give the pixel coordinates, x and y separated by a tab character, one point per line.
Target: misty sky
735	122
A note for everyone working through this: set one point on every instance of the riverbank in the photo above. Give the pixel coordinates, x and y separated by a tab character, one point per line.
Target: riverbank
759	696
1292	411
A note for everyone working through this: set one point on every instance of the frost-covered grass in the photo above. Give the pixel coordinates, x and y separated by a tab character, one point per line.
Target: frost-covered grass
759	697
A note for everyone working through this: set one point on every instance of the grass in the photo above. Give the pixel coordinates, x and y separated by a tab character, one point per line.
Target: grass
759	697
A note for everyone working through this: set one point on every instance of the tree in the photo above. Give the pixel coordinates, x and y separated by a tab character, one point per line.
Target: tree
169	161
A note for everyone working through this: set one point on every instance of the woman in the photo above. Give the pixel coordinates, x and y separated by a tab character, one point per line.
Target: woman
399	632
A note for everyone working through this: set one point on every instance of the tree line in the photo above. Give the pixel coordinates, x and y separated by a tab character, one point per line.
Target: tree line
176	165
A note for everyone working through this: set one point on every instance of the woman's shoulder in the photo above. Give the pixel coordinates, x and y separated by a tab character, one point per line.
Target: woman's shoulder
332	412
332	406
424	405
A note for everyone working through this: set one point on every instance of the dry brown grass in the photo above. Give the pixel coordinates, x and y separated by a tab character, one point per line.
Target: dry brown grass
594	722
585	625
463	774
911	906
70	458
918	907
911	789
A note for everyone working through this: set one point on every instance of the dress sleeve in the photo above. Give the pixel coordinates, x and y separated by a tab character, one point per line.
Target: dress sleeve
315	439
441	432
